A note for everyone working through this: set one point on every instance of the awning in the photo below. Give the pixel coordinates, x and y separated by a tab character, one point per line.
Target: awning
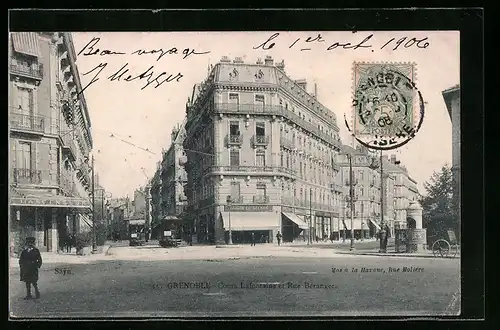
375	223
136	222
26	43
171	217
357	224
251	220
50	201
296	219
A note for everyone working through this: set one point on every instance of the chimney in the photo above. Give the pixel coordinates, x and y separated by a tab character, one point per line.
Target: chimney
225	59
268	61
302	83
238	60
315	91
393	159
259	61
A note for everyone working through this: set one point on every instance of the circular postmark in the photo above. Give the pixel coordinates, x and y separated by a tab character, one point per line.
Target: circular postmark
388	109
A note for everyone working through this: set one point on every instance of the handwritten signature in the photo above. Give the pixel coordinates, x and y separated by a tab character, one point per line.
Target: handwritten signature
405	42
123	72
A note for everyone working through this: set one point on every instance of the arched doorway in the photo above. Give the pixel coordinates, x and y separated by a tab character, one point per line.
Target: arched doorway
411	223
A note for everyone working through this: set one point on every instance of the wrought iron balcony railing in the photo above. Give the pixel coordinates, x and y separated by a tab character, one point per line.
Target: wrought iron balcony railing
261	199
234	140
234	199
27	122
26	176
277	110
34	71
260	140
69	144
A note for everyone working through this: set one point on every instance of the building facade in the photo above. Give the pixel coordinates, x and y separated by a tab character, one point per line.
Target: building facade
265	155
396	191
50	140
156	209
119	210
173	178
452	100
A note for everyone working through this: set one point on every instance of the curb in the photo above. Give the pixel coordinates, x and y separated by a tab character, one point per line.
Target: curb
374	254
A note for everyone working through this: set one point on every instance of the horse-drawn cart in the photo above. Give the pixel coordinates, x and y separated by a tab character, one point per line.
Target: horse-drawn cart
446	247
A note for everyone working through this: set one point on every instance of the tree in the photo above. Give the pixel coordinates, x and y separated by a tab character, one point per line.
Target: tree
439	210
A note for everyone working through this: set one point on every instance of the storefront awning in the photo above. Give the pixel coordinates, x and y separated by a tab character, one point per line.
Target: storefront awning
357	224
296	219
50	201
375	223
250	220
136	222
171	217
26	43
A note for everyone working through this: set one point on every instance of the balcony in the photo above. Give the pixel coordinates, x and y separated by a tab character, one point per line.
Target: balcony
276	110
27	123
260	140
26	176
34	71
261	199
68	145
233	140
67	184
235	199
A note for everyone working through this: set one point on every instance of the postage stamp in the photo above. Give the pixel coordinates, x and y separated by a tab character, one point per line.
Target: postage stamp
387	108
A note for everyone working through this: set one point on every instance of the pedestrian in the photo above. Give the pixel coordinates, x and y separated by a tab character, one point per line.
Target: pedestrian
252	241
331	236
29	263
278	237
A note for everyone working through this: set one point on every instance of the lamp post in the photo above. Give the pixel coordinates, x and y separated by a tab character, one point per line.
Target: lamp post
230	240
351	200
309	239
383	233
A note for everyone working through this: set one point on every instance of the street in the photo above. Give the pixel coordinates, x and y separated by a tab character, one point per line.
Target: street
253	284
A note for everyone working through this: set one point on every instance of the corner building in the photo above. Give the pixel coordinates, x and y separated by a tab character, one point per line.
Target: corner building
261	156
50	140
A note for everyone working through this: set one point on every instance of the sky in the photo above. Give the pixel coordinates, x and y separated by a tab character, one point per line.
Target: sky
127	120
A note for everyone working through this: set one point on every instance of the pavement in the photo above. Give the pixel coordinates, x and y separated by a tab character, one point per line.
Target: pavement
339	285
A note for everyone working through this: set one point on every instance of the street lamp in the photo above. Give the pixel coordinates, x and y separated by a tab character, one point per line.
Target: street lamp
383	233
351	200
230	240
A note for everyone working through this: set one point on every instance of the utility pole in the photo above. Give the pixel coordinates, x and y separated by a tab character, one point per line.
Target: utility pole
383	233
93	208
229	200
309	240
351	197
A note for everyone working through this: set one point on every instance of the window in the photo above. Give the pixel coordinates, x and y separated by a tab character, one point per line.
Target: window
259	100
300	164
281	156
261	189
234	98
25	100
235	190
234	155
234	128
288	161
260	129
260	158
361	175
24	156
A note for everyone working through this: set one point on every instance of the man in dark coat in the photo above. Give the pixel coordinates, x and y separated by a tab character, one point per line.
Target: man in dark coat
278	237
252	239
29	262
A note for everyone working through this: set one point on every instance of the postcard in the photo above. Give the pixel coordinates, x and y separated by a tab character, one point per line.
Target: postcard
223	174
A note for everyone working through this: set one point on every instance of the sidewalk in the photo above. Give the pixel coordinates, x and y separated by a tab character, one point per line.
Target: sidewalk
426	254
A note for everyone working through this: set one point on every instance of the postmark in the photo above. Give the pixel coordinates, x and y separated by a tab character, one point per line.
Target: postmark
387	107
